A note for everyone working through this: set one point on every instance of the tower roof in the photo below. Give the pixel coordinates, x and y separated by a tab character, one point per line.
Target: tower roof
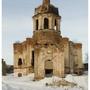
46	7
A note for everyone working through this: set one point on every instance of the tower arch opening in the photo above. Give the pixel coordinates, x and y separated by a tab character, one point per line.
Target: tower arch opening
46	23
55	24
37	23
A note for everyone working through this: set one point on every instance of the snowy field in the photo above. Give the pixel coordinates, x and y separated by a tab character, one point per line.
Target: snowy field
26	83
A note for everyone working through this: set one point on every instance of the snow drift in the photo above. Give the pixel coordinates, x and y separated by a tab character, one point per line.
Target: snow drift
26	83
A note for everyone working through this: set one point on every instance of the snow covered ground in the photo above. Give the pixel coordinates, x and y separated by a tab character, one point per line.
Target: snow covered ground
26	83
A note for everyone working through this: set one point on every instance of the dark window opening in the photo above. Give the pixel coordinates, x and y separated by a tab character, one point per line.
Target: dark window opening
46	45
36	24
46	23
20	61
19	74
48	72
32	58
49	60
51	44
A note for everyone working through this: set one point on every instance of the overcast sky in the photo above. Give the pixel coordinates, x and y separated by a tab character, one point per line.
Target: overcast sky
17	22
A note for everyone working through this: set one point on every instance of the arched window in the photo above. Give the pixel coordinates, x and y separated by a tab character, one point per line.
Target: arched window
19	61
46	23
37	24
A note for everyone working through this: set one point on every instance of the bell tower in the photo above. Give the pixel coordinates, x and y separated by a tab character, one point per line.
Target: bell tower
46	17
47	41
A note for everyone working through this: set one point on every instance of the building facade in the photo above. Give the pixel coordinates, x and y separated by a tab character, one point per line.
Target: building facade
47	53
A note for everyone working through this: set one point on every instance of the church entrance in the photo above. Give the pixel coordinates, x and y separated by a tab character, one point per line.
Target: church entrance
48	72
48	68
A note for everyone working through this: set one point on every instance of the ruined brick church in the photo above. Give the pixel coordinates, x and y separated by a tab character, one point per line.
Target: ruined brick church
47	53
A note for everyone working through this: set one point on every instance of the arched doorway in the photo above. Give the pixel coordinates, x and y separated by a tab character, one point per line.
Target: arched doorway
48	68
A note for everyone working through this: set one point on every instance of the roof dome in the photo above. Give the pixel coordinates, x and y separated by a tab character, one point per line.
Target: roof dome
46	7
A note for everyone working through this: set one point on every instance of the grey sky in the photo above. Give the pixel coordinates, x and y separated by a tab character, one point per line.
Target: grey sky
17	22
